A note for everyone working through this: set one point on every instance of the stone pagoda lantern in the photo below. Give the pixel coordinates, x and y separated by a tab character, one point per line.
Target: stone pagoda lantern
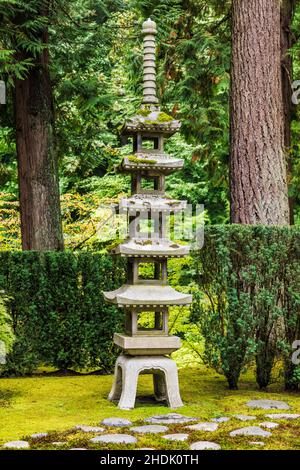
146	349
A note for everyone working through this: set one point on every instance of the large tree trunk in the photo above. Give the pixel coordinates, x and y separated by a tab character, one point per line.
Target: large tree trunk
257	162
287	41
37	163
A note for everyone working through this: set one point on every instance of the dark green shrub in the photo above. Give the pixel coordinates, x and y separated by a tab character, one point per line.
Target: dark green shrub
58	310
248	300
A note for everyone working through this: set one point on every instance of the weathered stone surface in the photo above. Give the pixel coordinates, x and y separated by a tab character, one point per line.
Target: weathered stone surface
222	419
205	445
269	425
268	405
170	418
16	445
176	437
250	431
84	428
114	439
256	443
209	427
39	435
149	428
283	416
124	391
118	422
146	448
245	417
78	448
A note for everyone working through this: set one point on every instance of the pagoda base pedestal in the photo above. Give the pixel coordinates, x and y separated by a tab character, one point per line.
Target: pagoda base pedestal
165	380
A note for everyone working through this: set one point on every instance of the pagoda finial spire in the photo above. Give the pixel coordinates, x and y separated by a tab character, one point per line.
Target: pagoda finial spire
149	81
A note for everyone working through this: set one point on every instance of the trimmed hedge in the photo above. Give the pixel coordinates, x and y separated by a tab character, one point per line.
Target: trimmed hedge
248	304
58	311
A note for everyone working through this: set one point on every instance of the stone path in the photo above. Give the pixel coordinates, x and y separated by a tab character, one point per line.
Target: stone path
115	439
222	419
269	425
205	445
39	435
282	416
170	418
149	429
16	445
268	405
245	417
160	425
83	428
208	427
176	437
250	431
118	422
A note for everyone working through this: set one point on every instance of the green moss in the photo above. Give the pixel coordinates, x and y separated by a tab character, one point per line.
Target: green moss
164	117
134	159
144	112
42	404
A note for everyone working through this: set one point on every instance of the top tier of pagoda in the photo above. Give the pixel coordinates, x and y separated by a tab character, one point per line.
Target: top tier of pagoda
150	123
148	166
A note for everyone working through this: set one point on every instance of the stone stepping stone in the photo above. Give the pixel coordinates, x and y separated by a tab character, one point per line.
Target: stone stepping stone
176	437
39	435
209	427
283	416
114	439
205	445
268	405
256	443
250	431
269	425
118	422
16	445
170	418
245	417
222	419
82	427
78	448
145	448
149	429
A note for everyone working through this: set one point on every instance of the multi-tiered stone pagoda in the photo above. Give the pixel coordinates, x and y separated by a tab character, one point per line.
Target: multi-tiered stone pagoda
147	345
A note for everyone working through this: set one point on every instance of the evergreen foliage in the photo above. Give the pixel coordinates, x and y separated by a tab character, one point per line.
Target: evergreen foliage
58	312
248	301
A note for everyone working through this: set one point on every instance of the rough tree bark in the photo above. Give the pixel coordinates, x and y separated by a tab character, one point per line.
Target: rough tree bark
37	161
287	41
257	162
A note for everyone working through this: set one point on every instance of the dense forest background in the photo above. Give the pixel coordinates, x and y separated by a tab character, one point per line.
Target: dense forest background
95	61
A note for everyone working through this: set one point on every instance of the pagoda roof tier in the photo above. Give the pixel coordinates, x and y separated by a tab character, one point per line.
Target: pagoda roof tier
151	120
151	247
146	296
149	202
151	161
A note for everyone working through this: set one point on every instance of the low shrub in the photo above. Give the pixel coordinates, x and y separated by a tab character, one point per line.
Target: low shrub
247	305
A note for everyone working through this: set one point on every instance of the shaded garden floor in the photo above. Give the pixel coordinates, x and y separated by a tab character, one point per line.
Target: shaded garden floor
57	404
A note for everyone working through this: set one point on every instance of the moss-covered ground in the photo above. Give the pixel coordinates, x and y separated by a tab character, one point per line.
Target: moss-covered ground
56	404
